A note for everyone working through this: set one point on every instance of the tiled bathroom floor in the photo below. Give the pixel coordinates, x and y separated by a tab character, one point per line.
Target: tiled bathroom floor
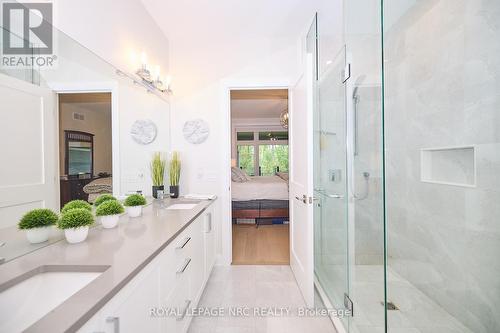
255	287
416	313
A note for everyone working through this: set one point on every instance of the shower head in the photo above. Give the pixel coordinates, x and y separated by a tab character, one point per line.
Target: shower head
357	83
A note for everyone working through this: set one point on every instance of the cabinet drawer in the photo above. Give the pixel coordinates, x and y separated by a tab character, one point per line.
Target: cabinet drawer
179	301
184	243
129	310
168	267
176	263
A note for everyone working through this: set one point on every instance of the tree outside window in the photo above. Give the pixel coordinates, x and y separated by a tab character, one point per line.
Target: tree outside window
273	158
246	159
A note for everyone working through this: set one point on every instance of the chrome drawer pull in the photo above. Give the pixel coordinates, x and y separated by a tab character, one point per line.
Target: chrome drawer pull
208	223
184	244
184	312
116	323
184	266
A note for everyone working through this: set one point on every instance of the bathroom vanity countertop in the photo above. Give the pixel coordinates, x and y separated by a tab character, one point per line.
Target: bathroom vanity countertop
126	250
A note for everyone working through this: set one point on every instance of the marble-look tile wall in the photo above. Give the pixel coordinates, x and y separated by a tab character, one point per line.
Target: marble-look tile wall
368	216
442	84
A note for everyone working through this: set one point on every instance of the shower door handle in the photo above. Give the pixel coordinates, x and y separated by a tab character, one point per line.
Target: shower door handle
330	195
355	100
334	196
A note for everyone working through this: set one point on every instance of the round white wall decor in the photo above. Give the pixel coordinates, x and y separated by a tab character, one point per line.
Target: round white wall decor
143	131
196	131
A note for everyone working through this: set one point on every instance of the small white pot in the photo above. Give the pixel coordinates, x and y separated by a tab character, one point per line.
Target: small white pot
76	235
134	211
38	235
110	221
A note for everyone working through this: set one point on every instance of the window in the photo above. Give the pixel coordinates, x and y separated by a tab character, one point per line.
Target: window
244	136
273	158
273	136
262	152
246	159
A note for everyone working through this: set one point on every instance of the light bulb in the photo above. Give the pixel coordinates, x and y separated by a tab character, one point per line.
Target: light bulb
168	80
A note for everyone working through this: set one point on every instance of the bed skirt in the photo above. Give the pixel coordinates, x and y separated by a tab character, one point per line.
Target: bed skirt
260	209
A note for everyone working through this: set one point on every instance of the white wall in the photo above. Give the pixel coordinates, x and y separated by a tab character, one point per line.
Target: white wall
113	29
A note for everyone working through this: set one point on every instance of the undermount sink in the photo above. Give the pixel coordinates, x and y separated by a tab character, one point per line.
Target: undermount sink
181	206
29	297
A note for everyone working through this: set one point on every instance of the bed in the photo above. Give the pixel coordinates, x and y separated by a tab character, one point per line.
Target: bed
261	198
97	187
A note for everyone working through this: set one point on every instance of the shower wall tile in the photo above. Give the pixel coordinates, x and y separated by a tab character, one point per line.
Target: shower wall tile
369	232
442	76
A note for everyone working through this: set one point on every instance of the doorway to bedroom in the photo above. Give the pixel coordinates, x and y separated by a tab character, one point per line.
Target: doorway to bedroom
85	146
259	177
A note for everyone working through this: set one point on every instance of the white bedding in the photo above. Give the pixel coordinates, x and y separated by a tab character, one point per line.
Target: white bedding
259	188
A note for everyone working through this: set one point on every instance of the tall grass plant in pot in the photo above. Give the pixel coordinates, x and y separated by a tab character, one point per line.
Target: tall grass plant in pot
157	168
175	174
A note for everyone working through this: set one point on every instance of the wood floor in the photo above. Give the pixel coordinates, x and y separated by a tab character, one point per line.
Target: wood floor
265	245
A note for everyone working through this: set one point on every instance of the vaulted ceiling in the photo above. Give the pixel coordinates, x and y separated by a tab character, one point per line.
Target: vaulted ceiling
216	38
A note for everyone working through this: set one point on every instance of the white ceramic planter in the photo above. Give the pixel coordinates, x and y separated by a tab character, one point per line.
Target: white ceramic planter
134	211
110	221
38	235
76	235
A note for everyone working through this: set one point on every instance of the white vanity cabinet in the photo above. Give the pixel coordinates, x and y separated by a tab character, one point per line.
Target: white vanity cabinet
210	235
174	279
128	311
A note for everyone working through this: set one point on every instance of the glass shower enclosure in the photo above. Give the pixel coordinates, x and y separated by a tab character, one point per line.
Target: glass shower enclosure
406	165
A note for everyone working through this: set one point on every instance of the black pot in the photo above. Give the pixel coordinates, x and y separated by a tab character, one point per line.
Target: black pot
156	189
174	191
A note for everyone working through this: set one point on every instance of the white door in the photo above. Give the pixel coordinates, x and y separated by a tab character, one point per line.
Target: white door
301	174
28	154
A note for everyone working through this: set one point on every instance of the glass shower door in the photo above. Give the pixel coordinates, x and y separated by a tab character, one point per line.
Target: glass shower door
331	261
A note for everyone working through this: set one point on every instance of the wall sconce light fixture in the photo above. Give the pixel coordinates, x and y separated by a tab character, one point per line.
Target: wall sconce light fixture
152	82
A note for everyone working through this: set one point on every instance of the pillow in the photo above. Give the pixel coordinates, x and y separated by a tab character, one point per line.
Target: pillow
238	175
282	175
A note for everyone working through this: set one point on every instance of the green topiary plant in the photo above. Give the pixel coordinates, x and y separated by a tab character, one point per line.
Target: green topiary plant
38	218
76	204
110	207
102	198
75	218
134	200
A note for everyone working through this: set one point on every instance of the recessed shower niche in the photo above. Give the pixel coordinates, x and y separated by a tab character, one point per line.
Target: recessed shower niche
449	165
